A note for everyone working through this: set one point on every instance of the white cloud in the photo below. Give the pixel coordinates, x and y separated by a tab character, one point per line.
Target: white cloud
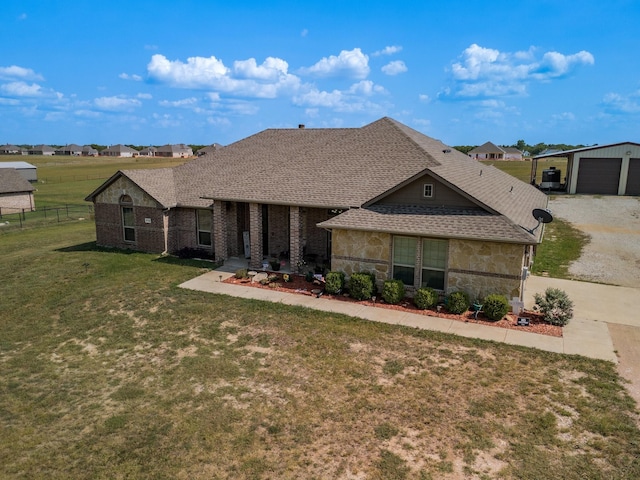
394	68
145	96
247	78
486	72
354	99
389	50
186	102
117	103
616	103
424	98
16	72
126	76
349	63
564	116
21	89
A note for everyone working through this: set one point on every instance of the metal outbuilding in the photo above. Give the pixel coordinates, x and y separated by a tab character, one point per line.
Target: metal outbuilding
28	171
612	169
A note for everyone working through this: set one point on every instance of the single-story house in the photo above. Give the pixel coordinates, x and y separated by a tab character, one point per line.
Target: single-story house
490	151
382	198
10	150
71	150
148	151
42	150
175	151
16	193
612	169
208	149
89	151
119	151
27	170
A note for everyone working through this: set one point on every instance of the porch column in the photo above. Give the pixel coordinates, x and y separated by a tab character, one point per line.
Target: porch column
295	238
232	230
255	234
220	231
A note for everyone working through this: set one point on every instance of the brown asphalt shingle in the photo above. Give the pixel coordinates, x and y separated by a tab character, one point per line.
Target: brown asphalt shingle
349	167
11	181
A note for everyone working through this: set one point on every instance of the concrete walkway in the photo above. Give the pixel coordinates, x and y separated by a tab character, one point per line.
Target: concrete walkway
585	337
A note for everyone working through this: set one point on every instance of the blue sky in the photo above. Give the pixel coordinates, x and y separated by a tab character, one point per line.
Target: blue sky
195	71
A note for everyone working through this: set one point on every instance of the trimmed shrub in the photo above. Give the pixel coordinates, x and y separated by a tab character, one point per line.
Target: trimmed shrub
495	306
361	287
393	291
555	306
425	297
334	282
458	302
241	273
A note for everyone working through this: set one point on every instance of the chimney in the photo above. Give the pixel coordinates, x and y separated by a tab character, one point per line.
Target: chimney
301	125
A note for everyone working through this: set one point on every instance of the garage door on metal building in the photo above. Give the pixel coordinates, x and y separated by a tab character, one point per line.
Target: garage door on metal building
599	176
633	178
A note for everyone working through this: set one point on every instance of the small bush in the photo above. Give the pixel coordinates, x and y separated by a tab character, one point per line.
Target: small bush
495	306
458	302
242	273
555	306
393	291
361	287
334	282
425	297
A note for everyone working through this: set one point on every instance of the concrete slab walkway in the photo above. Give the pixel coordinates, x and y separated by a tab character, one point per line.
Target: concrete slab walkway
589	338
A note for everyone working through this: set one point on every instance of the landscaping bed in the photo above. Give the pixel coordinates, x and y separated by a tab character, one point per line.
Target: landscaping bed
298	284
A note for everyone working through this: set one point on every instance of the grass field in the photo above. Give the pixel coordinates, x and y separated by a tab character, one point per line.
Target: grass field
522	170
109	370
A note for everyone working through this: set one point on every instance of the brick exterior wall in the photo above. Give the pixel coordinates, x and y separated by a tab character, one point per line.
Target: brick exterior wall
255	233
278	221
149	233
16	202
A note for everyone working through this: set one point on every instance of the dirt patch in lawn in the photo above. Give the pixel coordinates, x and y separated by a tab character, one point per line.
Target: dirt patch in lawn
297	284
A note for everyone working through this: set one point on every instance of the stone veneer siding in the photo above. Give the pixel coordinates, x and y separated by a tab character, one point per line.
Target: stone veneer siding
483	268
478	268
355	251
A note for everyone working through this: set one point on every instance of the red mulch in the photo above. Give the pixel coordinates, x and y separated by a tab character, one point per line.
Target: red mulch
300	286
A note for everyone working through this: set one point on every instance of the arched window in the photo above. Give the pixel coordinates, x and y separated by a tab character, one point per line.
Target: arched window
128	219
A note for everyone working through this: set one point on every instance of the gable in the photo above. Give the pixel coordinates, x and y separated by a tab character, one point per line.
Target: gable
123	186
413	193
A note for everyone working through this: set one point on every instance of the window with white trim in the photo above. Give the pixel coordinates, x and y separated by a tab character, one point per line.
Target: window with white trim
203	227
404	259
428	190
434	262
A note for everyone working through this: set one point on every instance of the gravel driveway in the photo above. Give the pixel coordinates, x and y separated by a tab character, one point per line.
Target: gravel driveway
613	223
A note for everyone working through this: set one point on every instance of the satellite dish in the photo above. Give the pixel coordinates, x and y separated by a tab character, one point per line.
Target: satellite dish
542	216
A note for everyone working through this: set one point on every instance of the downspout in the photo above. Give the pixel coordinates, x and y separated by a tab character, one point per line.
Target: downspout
165	230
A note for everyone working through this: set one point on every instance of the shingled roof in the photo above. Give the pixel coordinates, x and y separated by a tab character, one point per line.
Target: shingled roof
11	181
347	168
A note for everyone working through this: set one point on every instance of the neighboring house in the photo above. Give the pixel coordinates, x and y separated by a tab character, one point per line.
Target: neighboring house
29	172
42	150
16	193
612	169
119	151
71	150
10	150
89	151
148	152
490	151
382	198
208	149
175	151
